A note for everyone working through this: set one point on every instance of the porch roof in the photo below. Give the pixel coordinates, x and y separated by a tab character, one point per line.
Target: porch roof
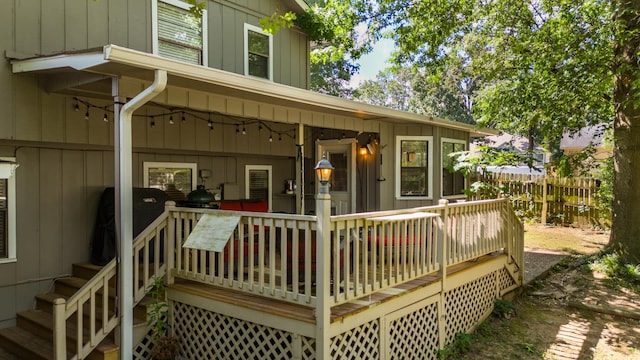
75	70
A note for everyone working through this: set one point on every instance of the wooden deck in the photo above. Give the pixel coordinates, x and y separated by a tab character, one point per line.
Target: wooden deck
306	314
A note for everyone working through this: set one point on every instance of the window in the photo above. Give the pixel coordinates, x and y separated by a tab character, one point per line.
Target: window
453	182
178	34
165	175
7	210
258	61
414	172
258	183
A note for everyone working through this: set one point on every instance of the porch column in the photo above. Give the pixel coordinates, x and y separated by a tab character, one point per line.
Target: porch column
323	251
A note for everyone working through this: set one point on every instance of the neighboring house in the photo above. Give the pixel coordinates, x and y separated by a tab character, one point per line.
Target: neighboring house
585	137
515	143
235	116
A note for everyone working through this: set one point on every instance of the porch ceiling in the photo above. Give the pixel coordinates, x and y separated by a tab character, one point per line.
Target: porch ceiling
91	72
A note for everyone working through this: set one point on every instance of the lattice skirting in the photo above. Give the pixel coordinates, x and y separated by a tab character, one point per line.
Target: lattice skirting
408	331
208	335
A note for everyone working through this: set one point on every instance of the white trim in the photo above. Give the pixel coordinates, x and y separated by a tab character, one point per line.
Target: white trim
8	171
269	170
247	28
115	60
180	4
466	147
398	161
152	164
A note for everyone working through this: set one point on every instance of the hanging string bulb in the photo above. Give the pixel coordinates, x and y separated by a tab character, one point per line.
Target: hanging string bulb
105	118
270	137
184	119
153	122
86	114
237	129
294	134
279	137
259	126
171	119
210	123
244	129
76	107
343	135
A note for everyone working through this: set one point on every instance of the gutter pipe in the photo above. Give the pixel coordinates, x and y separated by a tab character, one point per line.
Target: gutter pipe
125	211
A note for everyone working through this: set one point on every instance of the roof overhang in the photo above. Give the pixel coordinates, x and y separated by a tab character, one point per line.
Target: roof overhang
116	61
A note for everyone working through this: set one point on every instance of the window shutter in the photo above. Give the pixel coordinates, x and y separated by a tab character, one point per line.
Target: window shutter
3	219
179	34
259	184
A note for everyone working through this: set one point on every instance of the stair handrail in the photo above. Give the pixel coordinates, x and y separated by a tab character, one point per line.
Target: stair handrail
64	309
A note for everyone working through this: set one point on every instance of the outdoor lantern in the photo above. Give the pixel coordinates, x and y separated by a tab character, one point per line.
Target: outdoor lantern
323	171
363	150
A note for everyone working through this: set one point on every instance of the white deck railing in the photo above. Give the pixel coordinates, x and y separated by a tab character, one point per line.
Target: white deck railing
278	255
95	302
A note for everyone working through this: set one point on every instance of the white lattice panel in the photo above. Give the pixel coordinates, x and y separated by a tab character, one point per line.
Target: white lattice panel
209	335
415	335
142	350
505	280
466	305
362	342
308	348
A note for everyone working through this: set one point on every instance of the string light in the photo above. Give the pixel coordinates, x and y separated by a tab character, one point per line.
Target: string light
198	115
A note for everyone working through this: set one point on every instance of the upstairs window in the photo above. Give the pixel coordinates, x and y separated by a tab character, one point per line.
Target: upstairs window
258	60
7	210
414	174
453	182
178	34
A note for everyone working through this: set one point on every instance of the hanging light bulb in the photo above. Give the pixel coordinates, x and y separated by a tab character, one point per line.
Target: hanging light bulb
244	129
76	107
171	120
86	114
237	129
153	122
184	119
210	124
279	137
105	118
259	126
270	137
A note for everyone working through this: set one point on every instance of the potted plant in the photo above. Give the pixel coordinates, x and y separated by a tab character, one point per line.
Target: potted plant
166	347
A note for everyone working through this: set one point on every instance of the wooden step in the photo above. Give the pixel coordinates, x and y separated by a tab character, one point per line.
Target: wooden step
25	344
87	271
40	324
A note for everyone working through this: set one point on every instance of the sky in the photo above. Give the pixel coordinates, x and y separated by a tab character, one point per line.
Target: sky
373	62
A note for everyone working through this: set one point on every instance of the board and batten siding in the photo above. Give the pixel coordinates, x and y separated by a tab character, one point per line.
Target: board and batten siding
50	27
388	134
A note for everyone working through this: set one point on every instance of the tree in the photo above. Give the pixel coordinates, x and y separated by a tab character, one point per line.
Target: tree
546	67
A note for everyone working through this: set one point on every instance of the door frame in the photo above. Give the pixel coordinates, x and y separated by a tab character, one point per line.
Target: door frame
350	146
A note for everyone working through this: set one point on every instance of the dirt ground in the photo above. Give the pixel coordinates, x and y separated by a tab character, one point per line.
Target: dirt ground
565	312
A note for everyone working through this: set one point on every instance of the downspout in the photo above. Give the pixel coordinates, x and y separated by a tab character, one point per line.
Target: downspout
125	210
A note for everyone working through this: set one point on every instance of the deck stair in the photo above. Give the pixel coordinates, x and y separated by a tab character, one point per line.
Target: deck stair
32	337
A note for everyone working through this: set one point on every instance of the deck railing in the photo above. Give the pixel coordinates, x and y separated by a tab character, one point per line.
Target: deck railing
268	254
95	302
276	255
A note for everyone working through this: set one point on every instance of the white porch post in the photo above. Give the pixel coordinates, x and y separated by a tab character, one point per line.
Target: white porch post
323	251
442	259
124	212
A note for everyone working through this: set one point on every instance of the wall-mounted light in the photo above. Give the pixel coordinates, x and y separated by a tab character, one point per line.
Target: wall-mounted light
363	150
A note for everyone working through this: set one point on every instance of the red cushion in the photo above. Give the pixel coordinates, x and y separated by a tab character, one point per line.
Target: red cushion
255	206
231	205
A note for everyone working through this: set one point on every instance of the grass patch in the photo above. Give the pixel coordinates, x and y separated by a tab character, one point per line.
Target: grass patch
568	240
618	273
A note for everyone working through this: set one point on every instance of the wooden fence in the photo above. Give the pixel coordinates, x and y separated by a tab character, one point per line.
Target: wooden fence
567	201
